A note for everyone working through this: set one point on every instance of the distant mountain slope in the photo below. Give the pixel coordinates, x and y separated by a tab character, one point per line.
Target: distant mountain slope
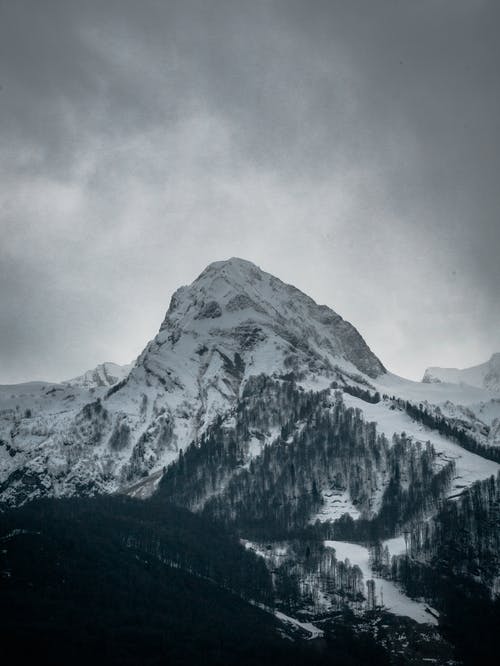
105	374
486	375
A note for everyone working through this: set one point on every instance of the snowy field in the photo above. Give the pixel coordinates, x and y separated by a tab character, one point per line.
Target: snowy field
387	593
335	504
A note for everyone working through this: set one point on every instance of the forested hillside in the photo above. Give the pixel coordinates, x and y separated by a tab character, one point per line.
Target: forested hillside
319	445
124	582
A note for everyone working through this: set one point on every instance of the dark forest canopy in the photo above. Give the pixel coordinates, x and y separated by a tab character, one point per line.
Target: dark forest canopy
111	580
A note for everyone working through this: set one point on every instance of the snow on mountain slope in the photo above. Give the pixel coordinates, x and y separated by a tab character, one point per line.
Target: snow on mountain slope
234	321
392	419
470	467
37	421
387	593
479	407
105	374
486	375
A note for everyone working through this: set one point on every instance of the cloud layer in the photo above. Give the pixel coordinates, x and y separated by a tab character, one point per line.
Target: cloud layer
352	149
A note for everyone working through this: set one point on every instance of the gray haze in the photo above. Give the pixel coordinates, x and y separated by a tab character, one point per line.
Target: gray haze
351	148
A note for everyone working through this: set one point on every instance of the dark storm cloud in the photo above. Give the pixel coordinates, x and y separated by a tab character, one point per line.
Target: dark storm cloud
349	147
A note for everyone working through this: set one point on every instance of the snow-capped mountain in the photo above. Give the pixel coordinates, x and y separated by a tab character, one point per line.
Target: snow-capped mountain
233	323
486	375
105	374
255	407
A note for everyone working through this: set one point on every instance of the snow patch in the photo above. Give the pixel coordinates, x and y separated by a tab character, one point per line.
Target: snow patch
387	593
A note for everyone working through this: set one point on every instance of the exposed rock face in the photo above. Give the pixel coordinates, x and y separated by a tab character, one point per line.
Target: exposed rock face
210	310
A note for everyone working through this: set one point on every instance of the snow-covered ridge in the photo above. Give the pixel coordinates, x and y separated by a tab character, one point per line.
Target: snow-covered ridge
479	407
105	374
486	375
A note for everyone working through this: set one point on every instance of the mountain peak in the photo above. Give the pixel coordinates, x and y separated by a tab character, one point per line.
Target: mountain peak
232	264
233	271
235	307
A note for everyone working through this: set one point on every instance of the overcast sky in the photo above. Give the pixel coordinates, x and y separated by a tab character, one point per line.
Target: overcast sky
350	148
